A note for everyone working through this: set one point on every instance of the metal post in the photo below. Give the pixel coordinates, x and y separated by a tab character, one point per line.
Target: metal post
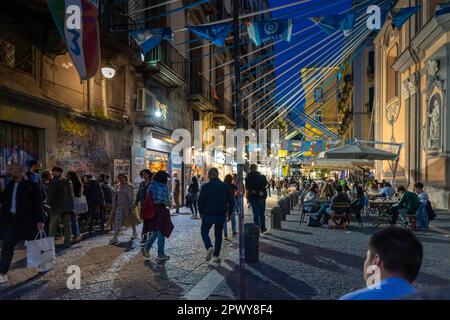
239	125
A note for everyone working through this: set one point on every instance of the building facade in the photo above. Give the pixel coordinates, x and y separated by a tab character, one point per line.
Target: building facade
411	85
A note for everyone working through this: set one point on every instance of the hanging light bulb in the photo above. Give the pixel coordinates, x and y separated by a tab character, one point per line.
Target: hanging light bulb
158	113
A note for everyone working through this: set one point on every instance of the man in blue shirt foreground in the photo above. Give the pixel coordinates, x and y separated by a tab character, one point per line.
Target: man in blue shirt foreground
396	255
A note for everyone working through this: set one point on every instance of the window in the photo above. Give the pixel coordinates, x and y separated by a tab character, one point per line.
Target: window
318	95
16	53
318	116
392	76
371	98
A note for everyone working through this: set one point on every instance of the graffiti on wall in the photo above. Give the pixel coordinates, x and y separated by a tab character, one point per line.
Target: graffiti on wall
87	148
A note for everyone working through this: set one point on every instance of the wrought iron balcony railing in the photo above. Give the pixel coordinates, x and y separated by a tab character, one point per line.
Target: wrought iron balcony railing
201	86
170	58
225	106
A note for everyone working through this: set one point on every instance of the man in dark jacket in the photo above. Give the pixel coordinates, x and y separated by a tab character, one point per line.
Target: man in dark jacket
95	199
255	185
61	202
214	203
21	215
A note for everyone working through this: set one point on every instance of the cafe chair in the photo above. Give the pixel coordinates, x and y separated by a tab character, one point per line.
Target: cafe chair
341	215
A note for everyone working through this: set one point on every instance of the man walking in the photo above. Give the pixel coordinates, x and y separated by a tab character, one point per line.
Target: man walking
214	203
95	199
21	215
61	202
176	191
33	175
255	185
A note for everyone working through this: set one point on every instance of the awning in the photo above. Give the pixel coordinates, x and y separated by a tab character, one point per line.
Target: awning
340	164
356	151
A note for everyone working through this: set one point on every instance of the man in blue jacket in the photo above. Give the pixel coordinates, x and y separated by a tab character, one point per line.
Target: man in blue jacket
214	203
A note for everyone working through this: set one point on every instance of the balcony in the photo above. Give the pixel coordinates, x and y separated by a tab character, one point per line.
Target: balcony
113	20
167	66
201	93
225	112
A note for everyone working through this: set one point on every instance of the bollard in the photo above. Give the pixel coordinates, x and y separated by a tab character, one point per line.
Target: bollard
284	205
276	218
291	198
251	243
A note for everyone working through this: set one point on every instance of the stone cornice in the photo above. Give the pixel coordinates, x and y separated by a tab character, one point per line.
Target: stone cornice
430	33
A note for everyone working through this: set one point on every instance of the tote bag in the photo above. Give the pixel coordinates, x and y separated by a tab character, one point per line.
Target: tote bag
147	208
81	205
40	252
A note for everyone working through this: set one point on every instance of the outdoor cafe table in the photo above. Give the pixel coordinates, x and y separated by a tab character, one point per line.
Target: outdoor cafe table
382	205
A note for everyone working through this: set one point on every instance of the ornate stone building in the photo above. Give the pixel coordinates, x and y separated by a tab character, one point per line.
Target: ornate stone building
411	83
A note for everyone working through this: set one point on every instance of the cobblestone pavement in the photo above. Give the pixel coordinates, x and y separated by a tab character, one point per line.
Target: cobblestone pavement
296	262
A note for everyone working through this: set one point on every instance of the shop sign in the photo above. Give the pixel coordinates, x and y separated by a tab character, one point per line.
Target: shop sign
121	166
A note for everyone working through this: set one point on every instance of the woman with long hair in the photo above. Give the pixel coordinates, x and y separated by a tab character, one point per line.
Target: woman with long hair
193	190
146	176
76	184
229	181
311	202
123	214
160	226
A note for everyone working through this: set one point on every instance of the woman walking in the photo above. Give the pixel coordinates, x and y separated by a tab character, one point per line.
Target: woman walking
193	197
76	183
146	176
123	214
160	225
229	181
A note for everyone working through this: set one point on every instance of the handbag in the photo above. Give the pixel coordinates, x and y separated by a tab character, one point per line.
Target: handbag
147	208
41	252
188	200
81	205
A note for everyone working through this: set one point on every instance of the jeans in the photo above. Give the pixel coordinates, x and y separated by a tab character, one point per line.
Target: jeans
53	225
161	242
233	225
193	205
74	225
259	208
176	199
422	217
207	223
323	212
95	211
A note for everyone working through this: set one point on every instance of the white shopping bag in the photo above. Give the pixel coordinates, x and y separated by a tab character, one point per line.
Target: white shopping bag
40	252
81	205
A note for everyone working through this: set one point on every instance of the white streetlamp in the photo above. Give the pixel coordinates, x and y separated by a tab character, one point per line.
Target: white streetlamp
108	72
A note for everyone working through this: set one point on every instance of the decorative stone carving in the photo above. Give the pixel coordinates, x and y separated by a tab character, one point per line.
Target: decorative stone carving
392	111
434	122
432	68
409	86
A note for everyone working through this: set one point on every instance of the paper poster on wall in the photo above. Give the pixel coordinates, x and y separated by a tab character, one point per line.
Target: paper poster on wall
121	166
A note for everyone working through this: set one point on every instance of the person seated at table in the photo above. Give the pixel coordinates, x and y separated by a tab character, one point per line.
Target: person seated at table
409	202
358	203
387	191
311	201
421	214
327	210
328	191
348	192
397	255
373	189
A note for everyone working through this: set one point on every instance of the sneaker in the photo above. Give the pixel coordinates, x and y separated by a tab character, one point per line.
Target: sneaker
263	230
145	253
3	278
225	238
216	259
77	239
235	234
163	258
113	241
209	254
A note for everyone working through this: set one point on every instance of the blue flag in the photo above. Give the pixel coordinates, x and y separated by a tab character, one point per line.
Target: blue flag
330	24
147	39
400	16
216	33
442	9
262	31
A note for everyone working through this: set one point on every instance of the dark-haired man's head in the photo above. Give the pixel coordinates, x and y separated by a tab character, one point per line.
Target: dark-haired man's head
418	187
253	167
396	252
161	176
213	173
339	189
401	189
34	165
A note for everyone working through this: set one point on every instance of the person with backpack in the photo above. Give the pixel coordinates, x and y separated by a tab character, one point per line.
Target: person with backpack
255	185
95	199
193	190
421	214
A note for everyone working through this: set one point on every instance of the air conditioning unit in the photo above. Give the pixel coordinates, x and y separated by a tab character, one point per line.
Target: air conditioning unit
145	99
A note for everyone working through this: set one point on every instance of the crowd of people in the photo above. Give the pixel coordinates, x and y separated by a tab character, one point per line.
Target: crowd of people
32	202
320	199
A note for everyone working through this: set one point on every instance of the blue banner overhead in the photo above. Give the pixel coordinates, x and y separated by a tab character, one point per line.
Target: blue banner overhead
215	33
147	39
262	31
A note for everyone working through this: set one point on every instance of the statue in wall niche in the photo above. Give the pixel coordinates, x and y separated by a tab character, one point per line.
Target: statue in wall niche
434	115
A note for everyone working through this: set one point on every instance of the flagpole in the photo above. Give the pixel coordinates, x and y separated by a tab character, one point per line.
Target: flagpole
240	166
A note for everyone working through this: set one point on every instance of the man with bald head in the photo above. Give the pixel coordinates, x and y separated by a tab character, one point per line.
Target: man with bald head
21	214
